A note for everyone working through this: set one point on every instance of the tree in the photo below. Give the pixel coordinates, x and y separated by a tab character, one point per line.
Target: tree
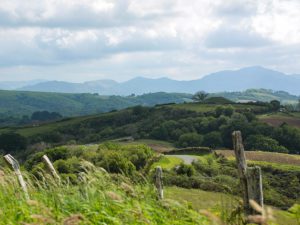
260	142
298	105
213	139
11	142
45	116
190	140
200	96
275	105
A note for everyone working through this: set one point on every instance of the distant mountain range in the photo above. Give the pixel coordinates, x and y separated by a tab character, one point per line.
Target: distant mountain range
223	81
13	85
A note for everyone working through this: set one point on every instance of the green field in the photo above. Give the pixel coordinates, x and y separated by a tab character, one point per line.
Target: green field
31	130
202	107
168	162
157	145
218	202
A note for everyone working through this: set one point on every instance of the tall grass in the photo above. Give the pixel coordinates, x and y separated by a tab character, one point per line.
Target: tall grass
97	198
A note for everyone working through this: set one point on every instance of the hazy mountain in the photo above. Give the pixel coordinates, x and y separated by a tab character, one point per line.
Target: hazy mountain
12	85
230	80
99	86
297	76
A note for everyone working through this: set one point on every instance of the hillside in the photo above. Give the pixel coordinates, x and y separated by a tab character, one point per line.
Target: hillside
231	81
128	145
263	95
113	184
189	124
19	103
277	119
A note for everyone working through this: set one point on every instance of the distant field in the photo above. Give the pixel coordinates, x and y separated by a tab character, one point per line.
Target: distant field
276	119
168	162
31	130
199	107
156	145
270	157
212	200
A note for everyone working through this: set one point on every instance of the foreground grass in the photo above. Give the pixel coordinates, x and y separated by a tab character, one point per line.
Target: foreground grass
220	203
98	198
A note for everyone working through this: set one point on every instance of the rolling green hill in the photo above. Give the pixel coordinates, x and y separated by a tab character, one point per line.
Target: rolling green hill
19	103
263	95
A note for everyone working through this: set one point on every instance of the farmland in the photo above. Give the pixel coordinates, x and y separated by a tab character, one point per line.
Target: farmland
273	157
224	204
276	119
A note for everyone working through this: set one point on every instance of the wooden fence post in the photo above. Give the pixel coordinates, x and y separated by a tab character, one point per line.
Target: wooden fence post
242	166
250	177
51	167
158	182
16	167
254	180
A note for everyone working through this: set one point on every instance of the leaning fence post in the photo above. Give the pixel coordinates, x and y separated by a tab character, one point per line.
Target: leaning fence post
158	182
250	177
51	167
242	165
254	180
16	167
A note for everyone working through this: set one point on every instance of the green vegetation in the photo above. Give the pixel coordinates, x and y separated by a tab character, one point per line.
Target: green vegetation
278	118
125	195
211	173
200	96
271	157
167	162
262	95
14	105
98	198
182	127
224	204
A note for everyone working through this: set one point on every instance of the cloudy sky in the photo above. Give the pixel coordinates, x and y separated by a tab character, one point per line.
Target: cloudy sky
79	40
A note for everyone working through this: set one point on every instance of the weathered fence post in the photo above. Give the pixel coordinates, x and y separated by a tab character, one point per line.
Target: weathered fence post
254	180
51	167
242	165
16	167
158	182
250	177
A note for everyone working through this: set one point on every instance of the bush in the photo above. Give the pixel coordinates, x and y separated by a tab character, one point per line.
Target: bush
260	142
213	139
11	142
115	162
190	140
184	169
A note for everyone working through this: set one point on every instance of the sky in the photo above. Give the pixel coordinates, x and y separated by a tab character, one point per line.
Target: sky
80	40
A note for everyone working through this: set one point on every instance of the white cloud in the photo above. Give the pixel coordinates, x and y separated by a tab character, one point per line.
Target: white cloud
54	39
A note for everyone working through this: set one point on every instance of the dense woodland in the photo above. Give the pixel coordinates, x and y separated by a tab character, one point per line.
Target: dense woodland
185	128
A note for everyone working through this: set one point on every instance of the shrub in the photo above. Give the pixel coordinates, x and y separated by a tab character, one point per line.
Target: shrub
184	169
213	139
115	162
190	140
11	142
260	142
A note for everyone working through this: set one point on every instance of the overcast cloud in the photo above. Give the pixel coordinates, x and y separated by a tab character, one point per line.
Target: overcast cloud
79	40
